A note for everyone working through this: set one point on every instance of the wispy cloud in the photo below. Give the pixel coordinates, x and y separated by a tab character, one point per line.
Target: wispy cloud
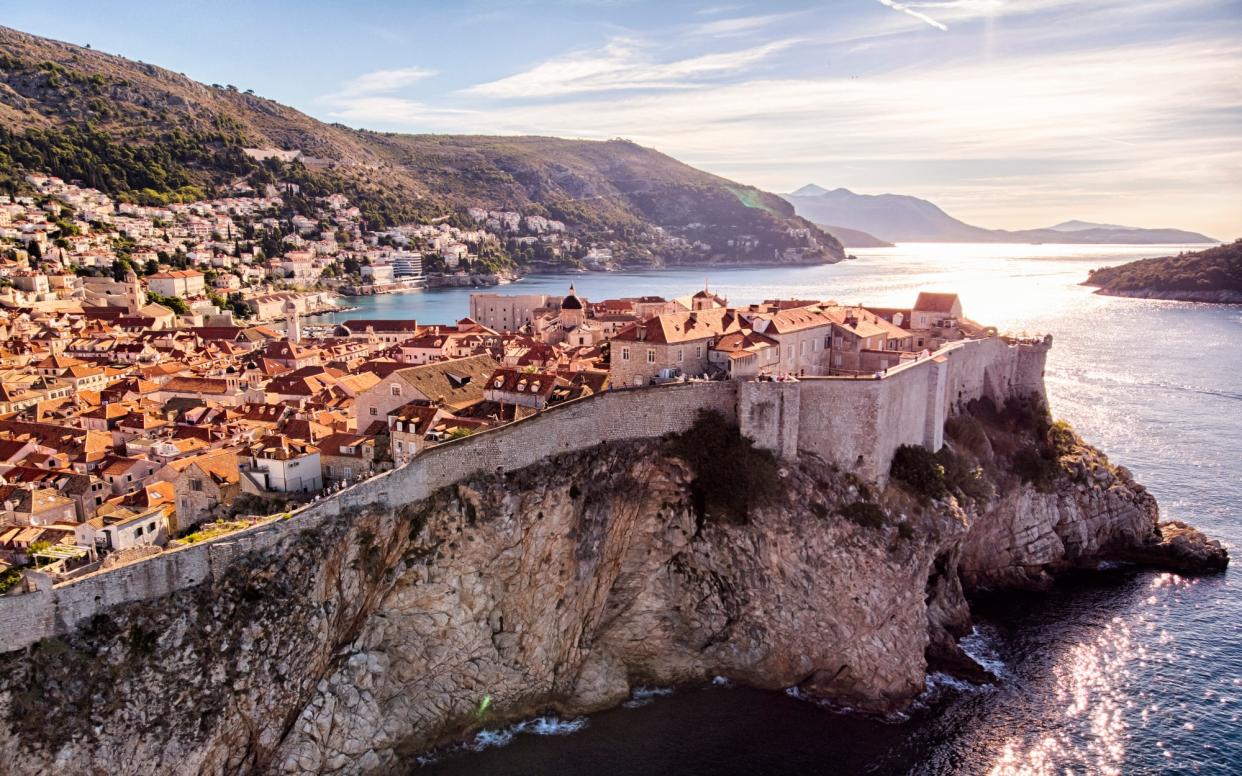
896	6
385	81
739	25
1018	123
622	65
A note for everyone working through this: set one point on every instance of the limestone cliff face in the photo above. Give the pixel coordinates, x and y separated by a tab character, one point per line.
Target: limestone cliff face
558	587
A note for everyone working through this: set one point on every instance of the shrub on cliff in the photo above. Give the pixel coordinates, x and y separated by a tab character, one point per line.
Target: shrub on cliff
963	477
730	474
1037	465
1027	413
865	513
917	468
970	433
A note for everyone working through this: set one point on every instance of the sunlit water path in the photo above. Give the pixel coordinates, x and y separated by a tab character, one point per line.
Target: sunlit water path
1126	672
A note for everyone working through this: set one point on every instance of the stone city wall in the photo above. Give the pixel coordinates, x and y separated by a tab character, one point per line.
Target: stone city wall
854	423
648	412
858	423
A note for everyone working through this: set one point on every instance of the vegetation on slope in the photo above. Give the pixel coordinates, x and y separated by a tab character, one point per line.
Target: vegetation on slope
145	134
731	475
1215	269
989	446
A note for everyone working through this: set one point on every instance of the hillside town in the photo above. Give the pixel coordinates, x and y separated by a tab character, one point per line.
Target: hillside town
161	383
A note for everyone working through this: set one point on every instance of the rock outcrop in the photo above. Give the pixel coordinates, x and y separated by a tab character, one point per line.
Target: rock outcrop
555	588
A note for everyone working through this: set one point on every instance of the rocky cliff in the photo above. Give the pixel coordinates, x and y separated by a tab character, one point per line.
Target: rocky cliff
559	587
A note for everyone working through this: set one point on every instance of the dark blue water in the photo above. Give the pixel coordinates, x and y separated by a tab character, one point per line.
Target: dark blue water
1124	672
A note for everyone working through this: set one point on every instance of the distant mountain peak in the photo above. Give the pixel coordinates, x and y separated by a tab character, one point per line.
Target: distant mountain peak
1078	226
810	190
901	218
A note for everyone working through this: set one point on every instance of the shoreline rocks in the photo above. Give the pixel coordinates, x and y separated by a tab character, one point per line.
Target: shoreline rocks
1181	548
1223	296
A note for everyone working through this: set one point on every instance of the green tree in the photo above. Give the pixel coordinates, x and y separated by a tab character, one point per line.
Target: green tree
173	303
120	268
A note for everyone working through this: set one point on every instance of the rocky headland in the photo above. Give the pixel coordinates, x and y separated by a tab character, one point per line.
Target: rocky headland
559	587
1213	275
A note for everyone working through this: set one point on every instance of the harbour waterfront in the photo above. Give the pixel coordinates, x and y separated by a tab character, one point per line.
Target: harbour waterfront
1124	672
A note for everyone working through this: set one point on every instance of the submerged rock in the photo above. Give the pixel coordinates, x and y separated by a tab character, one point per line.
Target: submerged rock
1181	548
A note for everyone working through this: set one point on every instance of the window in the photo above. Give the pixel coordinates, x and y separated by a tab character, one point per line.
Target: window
196	485
625	354
698	351
396	389
680	355
650	356
373	411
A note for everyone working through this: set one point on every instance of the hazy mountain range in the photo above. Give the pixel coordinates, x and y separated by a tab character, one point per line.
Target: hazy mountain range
901	218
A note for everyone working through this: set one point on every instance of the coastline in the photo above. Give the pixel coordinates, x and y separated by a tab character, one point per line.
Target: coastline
1223	296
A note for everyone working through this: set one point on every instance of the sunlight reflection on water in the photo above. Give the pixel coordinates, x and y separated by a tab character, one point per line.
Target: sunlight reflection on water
1125	674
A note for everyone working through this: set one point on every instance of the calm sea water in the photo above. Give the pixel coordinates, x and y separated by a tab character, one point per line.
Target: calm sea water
1124	672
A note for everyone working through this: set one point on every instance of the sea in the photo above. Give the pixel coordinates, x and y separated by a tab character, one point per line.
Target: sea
1121	671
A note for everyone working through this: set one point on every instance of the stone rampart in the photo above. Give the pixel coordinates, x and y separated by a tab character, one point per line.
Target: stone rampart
614	416
855	423
858	422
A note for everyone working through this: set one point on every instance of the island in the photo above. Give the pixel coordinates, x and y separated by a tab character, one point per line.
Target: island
1212	275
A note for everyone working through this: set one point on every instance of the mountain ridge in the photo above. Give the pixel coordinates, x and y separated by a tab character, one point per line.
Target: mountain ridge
143	133
904	218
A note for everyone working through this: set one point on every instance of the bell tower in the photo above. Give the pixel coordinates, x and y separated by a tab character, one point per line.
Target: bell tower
293	324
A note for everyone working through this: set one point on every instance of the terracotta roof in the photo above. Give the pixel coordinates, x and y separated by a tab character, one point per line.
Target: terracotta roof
795	319
381	324
741	344
935	302
209	385
689	326
220	465
456	382
175	274
512	380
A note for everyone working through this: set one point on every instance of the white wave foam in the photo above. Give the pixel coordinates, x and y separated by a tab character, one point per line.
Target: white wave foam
549	725
979	647
641	696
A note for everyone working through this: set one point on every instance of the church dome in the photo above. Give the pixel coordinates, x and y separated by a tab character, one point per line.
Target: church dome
571	302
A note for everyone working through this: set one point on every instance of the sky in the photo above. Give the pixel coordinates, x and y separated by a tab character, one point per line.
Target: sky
1006	113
